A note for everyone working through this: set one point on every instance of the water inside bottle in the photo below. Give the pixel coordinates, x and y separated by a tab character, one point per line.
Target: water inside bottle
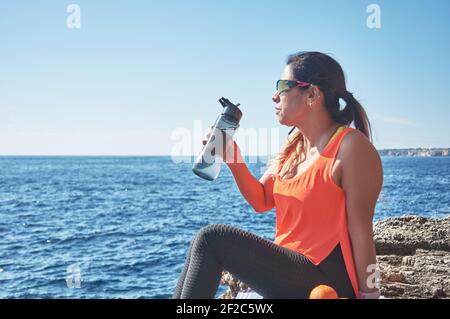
208	163
207	170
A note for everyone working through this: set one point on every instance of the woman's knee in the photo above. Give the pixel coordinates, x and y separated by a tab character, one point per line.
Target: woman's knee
212	232
205	237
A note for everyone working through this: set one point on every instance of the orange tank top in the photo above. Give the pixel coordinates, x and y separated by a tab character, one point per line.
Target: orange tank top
311	214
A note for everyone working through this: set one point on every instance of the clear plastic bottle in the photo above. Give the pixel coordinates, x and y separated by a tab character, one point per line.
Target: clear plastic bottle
209	162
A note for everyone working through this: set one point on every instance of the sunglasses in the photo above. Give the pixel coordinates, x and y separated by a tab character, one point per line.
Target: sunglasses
286	85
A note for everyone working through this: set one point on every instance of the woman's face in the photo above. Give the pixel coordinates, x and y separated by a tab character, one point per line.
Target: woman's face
292	105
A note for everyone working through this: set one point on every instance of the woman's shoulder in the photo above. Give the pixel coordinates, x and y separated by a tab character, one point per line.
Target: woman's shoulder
355	140
356	145
361	166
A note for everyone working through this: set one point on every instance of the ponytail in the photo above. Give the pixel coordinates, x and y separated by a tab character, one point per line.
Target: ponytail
354	112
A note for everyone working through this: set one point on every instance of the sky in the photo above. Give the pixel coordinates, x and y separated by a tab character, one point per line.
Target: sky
144	77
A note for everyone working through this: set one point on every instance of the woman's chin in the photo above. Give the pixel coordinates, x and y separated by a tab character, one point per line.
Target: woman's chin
281	120
279	117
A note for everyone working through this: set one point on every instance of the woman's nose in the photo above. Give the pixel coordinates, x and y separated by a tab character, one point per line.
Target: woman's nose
276	97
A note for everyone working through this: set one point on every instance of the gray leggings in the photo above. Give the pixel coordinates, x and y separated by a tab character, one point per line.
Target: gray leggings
269	269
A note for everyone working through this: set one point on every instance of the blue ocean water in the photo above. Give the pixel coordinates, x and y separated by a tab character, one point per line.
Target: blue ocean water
125	223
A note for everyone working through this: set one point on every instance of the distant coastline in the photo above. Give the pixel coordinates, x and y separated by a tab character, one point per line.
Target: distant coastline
419	152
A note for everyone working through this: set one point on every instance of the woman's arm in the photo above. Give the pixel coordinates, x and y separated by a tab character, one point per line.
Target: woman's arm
362	180
259	194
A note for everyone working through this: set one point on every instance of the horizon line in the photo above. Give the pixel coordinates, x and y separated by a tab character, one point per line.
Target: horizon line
191	155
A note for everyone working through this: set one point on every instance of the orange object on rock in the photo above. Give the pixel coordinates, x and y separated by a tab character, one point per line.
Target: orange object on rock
323	292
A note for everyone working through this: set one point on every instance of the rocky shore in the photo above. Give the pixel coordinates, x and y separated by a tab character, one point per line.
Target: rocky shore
413	256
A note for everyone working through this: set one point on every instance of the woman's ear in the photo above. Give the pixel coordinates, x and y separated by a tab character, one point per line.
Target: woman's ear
315	92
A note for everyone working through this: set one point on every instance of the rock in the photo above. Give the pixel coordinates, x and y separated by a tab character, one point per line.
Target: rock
413	256
425	274
403	235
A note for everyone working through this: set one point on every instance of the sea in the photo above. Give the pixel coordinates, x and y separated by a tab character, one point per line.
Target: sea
119	227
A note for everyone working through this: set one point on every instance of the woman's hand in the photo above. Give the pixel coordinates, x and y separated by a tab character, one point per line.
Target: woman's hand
229	151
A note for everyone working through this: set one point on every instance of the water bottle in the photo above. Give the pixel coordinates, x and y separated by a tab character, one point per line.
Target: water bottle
209	162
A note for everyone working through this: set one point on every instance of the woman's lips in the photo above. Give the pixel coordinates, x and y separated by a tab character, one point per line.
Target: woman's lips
277	110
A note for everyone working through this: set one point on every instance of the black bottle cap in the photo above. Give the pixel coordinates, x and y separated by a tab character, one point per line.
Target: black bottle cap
231	109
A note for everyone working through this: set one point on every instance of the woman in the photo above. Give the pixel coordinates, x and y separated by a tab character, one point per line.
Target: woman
324	185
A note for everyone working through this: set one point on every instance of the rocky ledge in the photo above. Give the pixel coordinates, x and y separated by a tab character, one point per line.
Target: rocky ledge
413	256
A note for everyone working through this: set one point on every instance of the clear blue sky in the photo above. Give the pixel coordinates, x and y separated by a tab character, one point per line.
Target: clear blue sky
137	70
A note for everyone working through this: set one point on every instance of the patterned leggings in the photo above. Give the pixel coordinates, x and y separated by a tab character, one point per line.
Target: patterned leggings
269	269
